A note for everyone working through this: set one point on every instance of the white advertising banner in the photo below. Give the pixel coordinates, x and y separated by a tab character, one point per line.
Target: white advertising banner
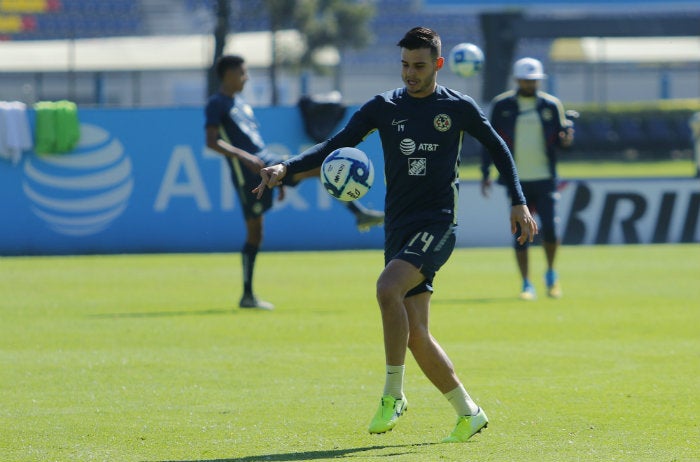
605	211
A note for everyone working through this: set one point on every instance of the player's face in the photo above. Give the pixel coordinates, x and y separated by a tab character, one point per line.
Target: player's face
235	79
528	87
419	71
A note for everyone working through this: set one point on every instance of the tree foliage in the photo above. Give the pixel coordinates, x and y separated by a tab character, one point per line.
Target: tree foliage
341	24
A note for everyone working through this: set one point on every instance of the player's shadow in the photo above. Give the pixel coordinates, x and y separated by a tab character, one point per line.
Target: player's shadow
316	455
166	313
466	301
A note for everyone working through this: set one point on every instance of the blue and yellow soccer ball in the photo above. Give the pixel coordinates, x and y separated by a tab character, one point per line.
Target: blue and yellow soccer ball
347	174
465	59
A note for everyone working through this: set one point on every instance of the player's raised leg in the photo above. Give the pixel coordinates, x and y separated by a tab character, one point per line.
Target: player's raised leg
365	218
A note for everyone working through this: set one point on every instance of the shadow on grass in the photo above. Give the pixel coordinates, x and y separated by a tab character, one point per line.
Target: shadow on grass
470	301
227	311
314	455
166	314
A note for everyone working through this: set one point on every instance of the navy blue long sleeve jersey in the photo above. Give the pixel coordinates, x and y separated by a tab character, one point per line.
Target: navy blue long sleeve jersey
421	139
236	119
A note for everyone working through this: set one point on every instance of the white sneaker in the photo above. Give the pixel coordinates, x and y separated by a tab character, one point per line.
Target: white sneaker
251	301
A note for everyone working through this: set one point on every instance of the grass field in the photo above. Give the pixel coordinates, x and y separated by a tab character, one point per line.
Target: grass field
145	358
604	169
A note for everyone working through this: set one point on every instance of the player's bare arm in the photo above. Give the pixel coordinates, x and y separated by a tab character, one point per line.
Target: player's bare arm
270	177
251	162
520	215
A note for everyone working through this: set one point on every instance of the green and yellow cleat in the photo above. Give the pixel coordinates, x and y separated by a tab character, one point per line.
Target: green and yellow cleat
467	426
390	409
367	218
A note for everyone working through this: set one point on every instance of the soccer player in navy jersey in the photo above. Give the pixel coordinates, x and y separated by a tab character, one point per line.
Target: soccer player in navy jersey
421	126
232	130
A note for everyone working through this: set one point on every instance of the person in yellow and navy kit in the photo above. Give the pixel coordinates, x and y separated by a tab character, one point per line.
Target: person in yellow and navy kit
534	126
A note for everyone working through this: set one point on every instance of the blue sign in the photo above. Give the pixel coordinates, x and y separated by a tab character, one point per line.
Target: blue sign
558	3
142	180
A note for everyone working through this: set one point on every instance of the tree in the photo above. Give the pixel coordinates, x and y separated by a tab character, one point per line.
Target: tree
220	31
281	13
341	24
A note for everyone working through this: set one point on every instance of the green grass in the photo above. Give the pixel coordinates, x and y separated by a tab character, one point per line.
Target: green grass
144	358
605	169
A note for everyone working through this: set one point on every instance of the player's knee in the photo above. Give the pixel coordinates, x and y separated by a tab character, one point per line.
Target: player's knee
388	293
520	247
384	292
549	235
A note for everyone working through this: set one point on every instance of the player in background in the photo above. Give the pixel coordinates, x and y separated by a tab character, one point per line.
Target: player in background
421	126
232	130
534	125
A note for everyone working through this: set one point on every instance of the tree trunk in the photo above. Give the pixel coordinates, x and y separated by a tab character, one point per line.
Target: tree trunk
223	11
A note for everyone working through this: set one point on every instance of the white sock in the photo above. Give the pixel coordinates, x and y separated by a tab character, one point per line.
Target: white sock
461	401
394	381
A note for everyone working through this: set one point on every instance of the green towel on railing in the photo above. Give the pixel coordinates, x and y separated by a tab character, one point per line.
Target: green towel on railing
57	128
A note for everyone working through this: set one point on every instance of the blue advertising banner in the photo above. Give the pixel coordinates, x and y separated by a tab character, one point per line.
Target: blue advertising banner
143	181
500	4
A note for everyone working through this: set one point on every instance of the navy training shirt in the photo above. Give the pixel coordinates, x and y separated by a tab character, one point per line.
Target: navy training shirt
236	122
421	139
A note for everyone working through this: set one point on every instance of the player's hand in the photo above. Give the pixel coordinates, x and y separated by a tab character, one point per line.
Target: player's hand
520	216
486	187
566	137
269	178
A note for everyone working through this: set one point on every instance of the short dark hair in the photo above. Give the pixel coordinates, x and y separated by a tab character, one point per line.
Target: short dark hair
226	62
422	37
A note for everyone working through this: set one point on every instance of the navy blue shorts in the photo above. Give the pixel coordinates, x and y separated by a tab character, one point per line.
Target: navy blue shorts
541	197
426	246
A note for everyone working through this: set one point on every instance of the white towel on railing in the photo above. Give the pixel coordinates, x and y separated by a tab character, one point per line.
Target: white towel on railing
15	134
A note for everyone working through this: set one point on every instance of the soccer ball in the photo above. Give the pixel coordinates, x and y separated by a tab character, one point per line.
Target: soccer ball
466	59
347	174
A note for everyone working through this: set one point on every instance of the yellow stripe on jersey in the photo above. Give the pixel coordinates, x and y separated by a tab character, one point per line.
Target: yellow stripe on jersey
455	184
237	168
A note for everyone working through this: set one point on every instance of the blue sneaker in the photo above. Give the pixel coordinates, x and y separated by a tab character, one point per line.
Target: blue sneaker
528	293
552	280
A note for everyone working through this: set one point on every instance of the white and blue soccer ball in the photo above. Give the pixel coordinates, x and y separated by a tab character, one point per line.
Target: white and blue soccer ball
466	59
347	174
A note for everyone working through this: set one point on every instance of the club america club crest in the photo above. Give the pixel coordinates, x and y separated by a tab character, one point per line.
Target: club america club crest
442	122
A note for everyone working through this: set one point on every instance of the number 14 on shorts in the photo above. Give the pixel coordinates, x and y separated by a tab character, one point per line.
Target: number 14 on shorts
420	243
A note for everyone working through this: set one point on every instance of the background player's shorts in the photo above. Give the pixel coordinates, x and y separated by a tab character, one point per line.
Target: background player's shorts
425	246
244	181
541	196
